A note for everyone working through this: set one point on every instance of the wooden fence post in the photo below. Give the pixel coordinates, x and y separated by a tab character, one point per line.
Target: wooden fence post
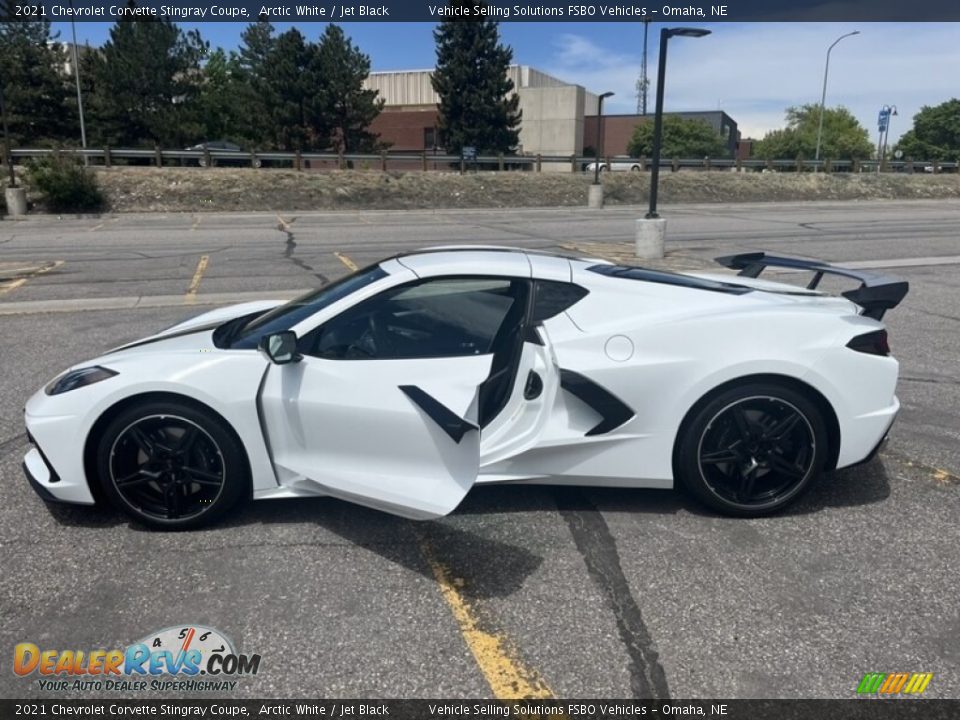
106	156
573	163
383	160
500	161
706	162
423	161
298	160
799	163
539	162
739	164
856	165
828	165
158	155
674	165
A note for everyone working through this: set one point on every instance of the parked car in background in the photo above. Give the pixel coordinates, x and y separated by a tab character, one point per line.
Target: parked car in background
617	164
223	146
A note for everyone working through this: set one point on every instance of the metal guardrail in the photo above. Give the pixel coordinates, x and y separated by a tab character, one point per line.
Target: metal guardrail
427	160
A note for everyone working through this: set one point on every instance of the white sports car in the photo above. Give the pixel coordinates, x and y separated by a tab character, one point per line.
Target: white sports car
403	385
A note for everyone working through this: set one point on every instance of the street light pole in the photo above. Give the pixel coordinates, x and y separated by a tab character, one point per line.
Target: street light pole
596	152
665	35
76	74
823	95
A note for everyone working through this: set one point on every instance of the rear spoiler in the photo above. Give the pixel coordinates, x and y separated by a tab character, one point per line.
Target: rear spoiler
877	293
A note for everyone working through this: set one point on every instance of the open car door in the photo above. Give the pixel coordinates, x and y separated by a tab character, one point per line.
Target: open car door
382	408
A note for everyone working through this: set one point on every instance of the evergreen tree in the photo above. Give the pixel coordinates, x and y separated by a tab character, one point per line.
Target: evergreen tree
290	85
35	90
222	107
345	108
253	91
477	105
146	81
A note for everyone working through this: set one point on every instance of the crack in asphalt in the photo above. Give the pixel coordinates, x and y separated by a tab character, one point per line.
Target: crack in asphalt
8	446
932	381
291	248
596	544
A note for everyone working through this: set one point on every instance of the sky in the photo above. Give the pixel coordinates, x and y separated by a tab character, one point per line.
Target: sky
752	71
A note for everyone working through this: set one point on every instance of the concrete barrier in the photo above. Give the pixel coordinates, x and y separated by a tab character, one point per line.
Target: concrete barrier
595	196
16	198
649	239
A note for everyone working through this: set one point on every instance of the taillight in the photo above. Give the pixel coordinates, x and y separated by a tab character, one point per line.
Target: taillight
873	343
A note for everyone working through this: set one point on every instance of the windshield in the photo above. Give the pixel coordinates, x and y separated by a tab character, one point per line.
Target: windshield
287	316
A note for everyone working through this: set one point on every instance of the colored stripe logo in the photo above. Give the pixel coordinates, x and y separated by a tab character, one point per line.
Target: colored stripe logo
901	683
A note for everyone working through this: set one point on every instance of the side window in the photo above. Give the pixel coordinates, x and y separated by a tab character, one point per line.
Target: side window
444	317
552	298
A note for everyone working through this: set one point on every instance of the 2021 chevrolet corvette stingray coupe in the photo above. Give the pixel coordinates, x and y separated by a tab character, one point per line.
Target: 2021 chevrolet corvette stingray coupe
403	385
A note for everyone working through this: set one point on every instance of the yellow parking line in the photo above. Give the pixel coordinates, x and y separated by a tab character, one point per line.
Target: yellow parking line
345	259
196	222
96	227
12	286
20	282
506	675
191	295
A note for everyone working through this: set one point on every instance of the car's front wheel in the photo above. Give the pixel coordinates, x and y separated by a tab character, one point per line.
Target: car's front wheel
752	449
171	465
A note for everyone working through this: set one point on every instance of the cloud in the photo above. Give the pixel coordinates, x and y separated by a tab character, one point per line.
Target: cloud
754	71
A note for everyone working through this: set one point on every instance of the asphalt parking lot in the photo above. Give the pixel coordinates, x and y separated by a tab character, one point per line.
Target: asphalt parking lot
532	591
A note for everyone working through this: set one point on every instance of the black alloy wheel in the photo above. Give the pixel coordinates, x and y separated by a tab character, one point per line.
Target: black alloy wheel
171	466
752	450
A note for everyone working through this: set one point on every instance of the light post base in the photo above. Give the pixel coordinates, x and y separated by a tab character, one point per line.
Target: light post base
595	197
16	198
651	233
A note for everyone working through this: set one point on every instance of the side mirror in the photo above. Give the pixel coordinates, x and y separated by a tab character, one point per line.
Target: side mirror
280	347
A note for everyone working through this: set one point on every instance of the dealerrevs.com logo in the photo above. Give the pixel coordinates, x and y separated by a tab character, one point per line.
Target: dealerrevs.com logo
186	657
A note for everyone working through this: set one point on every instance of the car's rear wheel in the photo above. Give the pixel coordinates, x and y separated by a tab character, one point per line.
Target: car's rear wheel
753	449
171	465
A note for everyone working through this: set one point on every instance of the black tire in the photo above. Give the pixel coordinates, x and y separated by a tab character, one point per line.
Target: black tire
172	465
752	449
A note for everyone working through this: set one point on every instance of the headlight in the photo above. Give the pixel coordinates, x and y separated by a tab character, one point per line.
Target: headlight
77	379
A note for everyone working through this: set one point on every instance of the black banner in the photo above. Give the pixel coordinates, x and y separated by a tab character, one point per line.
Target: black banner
501	10
864	709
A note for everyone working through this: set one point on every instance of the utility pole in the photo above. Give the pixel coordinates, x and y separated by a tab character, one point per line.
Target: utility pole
76	74
6	139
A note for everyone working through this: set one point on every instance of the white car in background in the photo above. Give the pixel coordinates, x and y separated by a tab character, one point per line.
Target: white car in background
617	164
405	384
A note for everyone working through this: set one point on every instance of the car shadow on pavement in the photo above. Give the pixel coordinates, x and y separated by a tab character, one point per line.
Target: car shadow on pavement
478	564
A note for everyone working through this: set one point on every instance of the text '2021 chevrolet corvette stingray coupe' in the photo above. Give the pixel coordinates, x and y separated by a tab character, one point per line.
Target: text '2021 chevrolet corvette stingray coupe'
403	385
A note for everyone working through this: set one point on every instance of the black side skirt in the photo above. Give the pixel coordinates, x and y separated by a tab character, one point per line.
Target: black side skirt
613	411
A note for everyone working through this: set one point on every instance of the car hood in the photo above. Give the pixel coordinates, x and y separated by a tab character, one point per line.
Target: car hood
202	325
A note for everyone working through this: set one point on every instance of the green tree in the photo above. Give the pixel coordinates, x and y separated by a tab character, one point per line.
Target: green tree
345	106
682	138
221	106
478	107
935	134
844	138
291	90
35	92
146	81
253	91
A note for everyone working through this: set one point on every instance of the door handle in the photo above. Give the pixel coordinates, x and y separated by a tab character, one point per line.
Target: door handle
533	387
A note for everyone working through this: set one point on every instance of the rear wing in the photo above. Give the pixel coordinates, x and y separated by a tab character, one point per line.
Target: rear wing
877	293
